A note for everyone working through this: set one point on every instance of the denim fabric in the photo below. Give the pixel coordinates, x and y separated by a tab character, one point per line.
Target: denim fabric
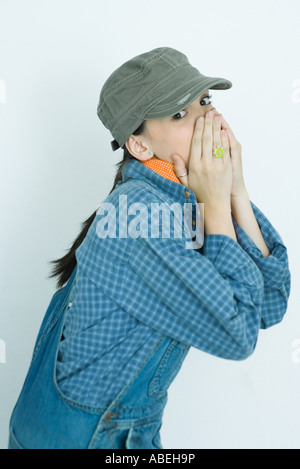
129	314
44	418
131	291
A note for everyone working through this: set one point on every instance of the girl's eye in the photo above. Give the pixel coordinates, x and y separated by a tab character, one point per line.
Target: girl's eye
178	114
203	102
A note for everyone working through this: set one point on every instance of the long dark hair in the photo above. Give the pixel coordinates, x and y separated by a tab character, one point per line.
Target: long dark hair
64	266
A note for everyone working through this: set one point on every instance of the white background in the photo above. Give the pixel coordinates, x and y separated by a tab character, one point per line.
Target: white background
57	167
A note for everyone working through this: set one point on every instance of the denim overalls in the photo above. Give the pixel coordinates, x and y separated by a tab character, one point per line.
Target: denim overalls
45	419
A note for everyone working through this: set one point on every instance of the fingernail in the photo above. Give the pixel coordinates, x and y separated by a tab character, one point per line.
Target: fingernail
210	114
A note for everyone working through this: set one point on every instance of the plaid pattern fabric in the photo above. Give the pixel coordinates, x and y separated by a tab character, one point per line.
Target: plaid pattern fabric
131	291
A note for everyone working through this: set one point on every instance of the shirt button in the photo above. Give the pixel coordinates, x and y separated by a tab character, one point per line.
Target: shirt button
70	304
193	222
187	194
108	417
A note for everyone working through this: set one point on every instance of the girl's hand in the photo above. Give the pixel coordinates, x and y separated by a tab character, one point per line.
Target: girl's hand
210	178
238	184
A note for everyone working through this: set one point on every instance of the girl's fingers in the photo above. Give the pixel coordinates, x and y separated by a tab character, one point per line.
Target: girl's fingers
216	132
233	143
225	144
225	125
207	140
196	146
180	169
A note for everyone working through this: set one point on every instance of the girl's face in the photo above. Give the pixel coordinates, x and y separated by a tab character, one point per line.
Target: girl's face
164	137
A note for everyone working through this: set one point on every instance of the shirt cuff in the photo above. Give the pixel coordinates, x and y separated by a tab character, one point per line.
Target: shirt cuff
274	268
231	260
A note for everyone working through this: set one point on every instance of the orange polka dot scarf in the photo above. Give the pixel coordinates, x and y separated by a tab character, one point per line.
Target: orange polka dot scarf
164	168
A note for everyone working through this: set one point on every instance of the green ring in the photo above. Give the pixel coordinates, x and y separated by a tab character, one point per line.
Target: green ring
219	152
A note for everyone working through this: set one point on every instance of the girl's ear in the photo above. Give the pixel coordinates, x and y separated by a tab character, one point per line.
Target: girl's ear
137	149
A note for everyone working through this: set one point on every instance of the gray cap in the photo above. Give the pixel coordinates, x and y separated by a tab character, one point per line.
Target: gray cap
153	85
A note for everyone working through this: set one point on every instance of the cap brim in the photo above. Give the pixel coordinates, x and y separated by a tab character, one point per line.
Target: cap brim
180	98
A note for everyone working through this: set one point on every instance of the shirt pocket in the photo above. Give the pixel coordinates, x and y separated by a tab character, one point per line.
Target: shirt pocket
167	369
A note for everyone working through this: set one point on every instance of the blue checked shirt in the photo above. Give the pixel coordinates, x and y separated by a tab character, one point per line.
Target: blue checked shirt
132	290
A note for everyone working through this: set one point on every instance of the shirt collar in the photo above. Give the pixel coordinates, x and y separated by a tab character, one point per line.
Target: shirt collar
137	170
164	168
